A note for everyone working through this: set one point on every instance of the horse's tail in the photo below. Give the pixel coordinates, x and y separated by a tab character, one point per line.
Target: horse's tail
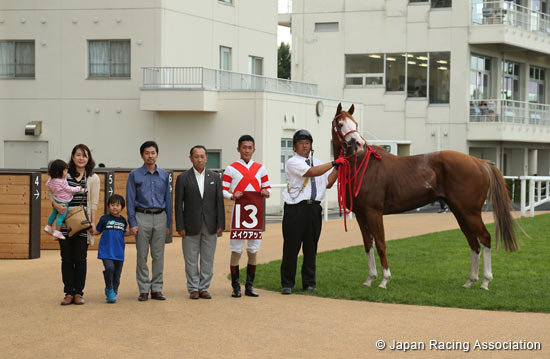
505	225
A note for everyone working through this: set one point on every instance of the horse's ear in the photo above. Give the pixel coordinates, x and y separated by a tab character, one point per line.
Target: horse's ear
351	109
339	108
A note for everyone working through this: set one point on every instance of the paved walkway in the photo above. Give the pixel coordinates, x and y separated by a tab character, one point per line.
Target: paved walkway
34	325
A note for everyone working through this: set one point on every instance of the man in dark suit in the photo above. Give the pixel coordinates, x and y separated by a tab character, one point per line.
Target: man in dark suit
200	219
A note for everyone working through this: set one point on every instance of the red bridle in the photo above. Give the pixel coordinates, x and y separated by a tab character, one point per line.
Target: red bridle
341	136
345	181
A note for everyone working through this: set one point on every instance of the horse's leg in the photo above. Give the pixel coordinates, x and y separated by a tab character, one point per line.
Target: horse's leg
474	269
367	241
487	266
479	239
375	223
484	239
474	246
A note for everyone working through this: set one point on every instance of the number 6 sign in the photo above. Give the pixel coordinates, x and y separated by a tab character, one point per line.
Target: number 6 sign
248	217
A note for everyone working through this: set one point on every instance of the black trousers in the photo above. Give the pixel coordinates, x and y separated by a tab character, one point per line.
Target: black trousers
73	264
301	228
112	272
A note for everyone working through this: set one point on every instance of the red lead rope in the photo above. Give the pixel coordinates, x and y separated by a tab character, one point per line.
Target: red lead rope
347	182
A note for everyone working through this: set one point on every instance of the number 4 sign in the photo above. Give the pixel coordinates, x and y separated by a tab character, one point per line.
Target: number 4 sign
248	217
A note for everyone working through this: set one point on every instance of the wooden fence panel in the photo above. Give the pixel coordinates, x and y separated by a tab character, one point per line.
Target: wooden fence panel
121	177
19	214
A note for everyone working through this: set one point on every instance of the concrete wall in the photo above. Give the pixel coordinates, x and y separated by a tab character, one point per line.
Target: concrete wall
72	108
103	113
193	31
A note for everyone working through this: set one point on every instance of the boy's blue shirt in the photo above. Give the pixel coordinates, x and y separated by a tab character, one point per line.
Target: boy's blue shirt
111	244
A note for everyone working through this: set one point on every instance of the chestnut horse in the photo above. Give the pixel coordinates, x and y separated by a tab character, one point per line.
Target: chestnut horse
395	184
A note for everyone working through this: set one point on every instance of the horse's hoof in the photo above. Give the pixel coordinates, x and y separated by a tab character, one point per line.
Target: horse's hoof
369	281
382	285
485	284
468	284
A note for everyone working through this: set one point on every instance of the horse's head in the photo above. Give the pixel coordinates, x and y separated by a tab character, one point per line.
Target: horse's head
345	128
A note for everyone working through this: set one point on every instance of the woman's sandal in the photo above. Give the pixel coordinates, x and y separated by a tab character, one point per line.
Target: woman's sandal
67	300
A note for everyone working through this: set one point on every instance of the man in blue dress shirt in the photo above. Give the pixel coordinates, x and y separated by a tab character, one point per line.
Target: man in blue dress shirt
149	200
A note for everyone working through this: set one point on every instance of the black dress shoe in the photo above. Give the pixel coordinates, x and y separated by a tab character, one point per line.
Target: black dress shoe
157	296
286	290
143	297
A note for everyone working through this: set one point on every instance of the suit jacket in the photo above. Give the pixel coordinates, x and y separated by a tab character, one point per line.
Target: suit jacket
191	210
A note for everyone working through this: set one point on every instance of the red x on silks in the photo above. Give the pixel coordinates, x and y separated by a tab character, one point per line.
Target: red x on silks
248	176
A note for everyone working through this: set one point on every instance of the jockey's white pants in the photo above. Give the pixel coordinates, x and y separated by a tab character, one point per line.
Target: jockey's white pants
237	245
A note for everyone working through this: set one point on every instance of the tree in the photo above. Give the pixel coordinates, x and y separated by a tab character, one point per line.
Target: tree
283	61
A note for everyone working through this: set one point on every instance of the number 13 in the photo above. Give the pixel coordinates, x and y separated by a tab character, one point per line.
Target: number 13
253	211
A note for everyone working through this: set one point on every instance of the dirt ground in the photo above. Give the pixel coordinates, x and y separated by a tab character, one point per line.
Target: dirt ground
34	325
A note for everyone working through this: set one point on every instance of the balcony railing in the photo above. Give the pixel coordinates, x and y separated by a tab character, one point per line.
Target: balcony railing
509	13
220	80
509	111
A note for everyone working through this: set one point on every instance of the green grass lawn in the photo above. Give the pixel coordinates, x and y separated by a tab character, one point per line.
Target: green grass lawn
431	269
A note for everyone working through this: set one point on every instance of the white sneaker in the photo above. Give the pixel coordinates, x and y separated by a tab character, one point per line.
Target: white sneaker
58	235
48	229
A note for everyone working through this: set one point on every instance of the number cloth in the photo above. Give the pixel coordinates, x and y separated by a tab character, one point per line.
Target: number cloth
248	217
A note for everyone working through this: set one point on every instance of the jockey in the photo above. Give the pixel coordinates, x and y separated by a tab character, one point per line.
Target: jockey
240	176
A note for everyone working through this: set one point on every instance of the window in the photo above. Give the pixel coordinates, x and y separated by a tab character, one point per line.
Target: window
17	59
214	159
225	58
395	72
326	27
365	70
425	75
480	77
109	58
440	77
435	3
510	81
536	84
287	151
441	3
256	65
417	74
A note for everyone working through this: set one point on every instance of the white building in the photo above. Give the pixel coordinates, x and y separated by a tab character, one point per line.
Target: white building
112	74
466	75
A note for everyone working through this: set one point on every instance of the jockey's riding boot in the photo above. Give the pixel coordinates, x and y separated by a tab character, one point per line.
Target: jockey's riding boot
250	274
235	282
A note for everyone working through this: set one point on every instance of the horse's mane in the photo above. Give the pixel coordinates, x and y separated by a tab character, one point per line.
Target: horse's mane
381	151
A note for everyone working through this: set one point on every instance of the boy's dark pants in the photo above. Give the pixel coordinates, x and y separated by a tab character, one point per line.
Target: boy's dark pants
112	272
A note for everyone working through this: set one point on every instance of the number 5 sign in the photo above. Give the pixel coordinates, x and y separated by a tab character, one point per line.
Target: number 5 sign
248	217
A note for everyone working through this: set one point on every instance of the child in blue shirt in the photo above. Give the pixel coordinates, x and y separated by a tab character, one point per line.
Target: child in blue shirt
112	227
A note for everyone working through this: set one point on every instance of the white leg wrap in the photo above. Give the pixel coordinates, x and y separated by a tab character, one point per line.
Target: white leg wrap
372	268
386	275
474	270
487	268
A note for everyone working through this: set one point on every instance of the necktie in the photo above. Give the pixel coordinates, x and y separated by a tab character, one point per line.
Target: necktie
313	184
